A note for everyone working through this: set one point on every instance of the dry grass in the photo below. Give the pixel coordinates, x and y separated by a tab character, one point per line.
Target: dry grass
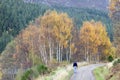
61	73
114	73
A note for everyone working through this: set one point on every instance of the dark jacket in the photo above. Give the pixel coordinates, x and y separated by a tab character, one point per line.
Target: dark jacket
75	64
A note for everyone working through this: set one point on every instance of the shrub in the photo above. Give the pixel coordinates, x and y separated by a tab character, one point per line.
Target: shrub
42	69
110	58
33	72
116	62
26	75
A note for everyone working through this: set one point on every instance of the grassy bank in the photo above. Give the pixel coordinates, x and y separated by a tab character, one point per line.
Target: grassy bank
69	75
109	72
101	73
0	75
61	73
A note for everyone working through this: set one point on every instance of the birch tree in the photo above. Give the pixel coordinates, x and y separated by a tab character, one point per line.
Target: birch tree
94	40
58	27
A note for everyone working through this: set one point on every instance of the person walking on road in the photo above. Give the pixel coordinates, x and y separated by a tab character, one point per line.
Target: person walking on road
75	67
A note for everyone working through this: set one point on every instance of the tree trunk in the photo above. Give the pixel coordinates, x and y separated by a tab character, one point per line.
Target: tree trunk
67	54
70	51
45	54
59	53
50	50
61	56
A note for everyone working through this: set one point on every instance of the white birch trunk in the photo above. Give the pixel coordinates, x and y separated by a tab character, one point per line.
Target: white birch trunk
50	50
45	55
59	54
70	51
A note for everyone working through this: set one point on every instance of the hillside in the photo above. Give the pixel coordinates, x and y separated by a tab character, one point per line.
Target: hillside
16	15
97	4
50	40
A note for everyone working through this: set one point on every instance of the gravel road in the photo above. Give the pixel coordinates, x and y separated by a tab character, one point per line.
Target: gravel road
85	72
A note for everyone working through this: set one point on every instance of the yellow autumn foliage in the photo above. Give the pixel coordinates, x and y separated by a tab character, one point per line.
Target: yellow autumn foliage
93	35
60	26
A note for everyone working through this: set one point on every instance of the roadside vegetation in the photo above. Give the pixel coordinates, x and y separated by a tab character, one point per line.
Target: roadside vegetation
0	75
61	73
109	72
114	71
32	73
101	73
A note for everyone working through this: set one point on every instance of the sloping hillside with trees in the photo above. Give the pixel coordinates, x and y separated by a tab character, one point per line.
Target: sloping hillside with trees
53	39
16	15
36	38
